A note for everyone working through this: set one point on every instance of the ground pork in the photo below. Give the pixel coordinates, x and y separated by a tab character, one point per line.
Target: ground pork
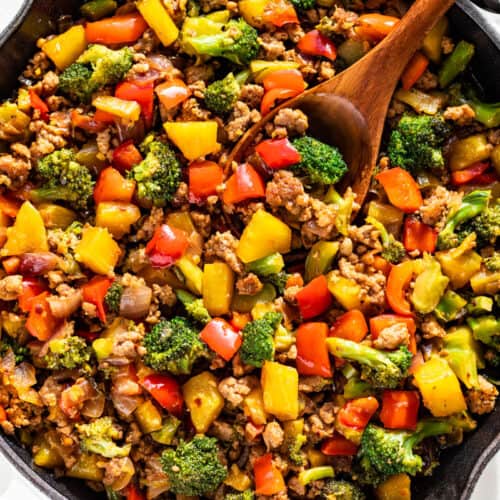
155	218
312	384
15	167
103	140
289	122
223	246
50	136
482	399
252	94
249	285
393	336
316	430
147	43
11	287
235	390
447	45
195	73
192	111
436	206
273	435
428	81
223	431
49	83
164	294
431	328
327	413
341	22
462	115
114	469
367	235
126	342
270	47
241	119
202	223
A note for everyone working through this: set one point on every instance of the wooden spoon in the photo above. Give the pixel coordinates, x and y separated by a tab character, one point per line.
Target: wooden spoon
349	110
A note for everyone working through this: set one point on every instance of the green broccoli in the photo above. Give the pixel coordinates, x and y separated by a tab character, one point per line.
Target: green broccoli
221	95
303	4
338	489
294	446
384	370
472	205
235	40
63	179
480	304
344	207
194	468
113	297
416	143
450	307
8	343
99	436
278	280
307	476
244	495
158	176
97	67
321	163
68	353
486	226
486	329
393	250
173	345
492	262
391	451
258	345
195	308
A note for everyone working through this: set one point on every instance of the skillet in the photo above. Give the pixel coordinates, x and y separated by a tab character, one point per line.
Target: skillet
477	21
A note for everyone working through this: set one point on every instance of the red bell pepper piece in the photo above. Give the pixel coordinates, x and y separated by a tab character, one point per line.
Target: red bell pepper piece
3	414
284	79
268	478
278	153
400	409
167	246
469	174
204	177
338	446
39	104
244	184
93	124
314	43
32	288
11	264
140	92
379	323
356	413
397	282
126	156
112	186
351	326
375	27
486	179
414	70
95	291
315	298
134	493
279	13
127	28
9	206
221	338
419	236
273	95
401	189
172	93
312	353
40	323
166	391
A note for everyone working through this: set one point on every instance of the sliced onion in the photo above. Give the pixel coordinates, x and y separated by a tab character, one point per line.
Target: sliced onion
94	407
64	306
125	405
24	376
35	264
156	480
127	471
135	302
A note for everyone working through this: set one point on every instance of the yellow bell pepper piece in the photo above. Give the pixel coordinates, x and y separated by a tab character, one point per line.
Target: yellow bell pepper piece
485	282
252	11
88	468
237	479
98	250
345	290
465	152
253	407
103	347
263	236
66	48
28	233
432	42
280	389
203	400
148	417
439	387
260	68
117	217
128	110
316	458
218	288
395	488
55	216
192	273
390	216
194	139
159	20
14	122
47	456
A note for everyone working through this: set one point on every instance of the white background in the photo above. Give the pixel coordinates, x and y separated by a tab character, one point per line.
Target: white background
14	487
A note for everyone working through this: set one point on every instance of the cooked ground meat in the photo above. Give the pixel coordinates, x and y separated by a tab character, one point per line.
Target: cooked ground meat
270	47
11	287
436	206
252	94
462	115
431	328
241	119
249	285
234	390
290	122
482	399
15	168
273	435
392	337
428	81
223	246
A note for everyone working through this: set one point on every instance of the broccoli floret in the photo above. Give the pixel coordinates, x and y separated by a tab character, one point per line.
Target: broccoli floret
194	468
303	4
97	67
64	179
221	96
258	345
113	297
158	176
278	280
294	448
486	226
173	345
195	308
235	40
8	343
391	451
492	263
393	250
321	163
68	353
99	436
472	205
381	369
244	495
343	205
416	143
338	489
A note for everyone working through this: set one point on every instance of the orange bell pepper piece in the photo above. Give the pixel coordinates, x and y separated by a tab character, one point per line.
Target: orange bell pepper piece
312	353
268	478
351	326
112	186
400	409
375	27
284	79
40	323
118	29
244	184
356	413
379	323
204	177
172	93
95	291
9	206
315	298
414	70
397	282
338	446
419	236
401	189
221	338
273	95
314	43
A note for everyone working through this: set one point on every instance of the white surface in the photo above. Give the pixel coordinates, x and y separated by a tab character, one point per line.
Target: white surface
14	487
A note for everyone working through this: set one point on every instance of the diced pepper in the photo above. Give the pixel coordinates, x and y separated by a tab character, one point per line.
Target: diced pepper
159	20
41	323
193	275
88	467
66	48
167	246
253	11
166	434
55	216
307	476
351	326
260	69
148	417
280	389
98	250
401	189
203	400
267	266
439	387
278	153
284	79
253	407
11	264
379	323
182	134
95	291
432	45
218	288
450	306
456	63
468	151
112	186
172	93
32	287
237	479
204	177
314	43
414	70
166	391
397	282
140	92
354	416
47	456
127	110
400	409
312	353
244	184
320	258
221	338
117	217
419	236
375	27
469	174
390	216
268	478
9	206
339	446
93	124
134	493
38	104
246	303
395	488
345	290
126	28
315	298
126	156
485	282
273	95
279	13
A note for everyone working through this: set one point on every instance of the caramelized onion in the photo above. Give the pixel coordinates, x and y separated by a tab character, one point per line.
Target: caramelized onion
135	302
35	264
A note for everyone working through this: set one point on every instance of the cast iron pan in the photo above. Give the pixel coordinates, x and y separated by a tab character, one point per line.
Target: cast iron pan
460	467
